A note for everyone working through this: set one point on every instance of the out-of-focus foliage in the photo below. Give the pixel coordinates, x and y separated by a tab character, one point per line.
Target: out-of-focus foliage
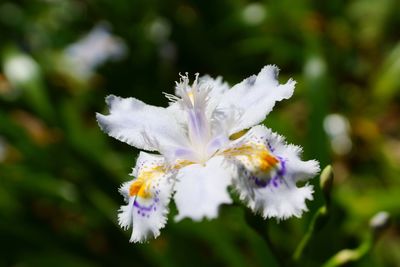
59	173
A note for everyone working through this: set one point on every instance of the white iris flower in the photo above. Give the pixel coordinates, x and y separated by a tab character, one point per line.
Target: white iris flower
208	139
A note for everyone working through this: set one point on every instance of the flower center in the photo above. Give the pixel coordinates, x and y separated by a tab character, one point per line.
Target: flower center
194	101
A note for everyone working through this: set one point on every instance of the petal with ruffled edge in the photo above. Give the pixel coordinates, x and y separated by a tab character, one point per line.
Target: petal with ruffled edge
201	189
268	174
255	97
140	125
147	198
280	201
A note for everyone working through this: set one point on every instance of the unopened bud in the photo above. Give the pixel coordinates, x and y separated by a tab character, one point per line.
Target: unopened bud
379	222
326	182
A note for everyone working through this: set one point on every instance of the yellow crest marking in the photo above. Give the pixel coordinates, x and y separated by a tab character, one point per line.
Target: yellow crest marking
266	161
182	163
141	185
257	155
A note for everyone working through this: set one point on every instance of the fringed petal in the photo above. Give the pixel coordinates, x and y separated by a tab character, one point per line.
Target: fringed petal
268	172
147	197
255	97
140	125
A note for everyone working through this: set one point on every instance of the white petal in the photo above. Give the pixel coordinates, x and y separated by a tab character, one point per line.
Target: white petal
141	125
146	161
217	86
146	215
255	97
221	120
200	190
277	196
281	202
298	169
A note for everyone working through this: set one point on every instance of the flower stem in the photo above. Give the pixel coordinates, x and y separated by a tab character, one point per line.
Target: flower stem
378	223
321	216
317	222
349	255
259	226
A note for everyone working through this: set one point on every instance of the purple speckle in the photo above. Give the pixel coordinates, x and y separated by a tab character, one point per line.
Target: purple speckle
275	180
279	174
270	147
258	181
142	208
282	170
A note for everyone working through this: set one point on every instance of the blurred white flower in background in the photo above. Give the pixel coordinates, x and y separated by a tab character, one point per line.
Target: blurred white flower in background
159	32
21	74
338	129
93	50
20	69
254	14
315	67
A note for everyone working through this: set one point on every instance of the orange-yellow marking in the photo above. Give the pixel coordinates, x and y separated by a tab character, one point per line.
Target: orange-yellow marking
181	163
245	150
258	155
140	187
266	161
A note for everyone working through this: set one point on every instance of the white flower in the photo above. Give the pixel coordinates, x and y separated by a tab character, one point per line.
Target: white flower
207	140
92	50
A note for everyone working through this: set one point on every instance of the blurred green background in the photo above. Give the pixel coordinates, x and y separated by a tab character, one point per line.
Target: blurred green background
59	173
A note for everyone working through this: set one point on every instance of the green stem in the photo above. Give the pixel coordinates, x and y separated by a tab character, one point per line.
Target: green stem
258	225
317	222
378	224
349	255
321	216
